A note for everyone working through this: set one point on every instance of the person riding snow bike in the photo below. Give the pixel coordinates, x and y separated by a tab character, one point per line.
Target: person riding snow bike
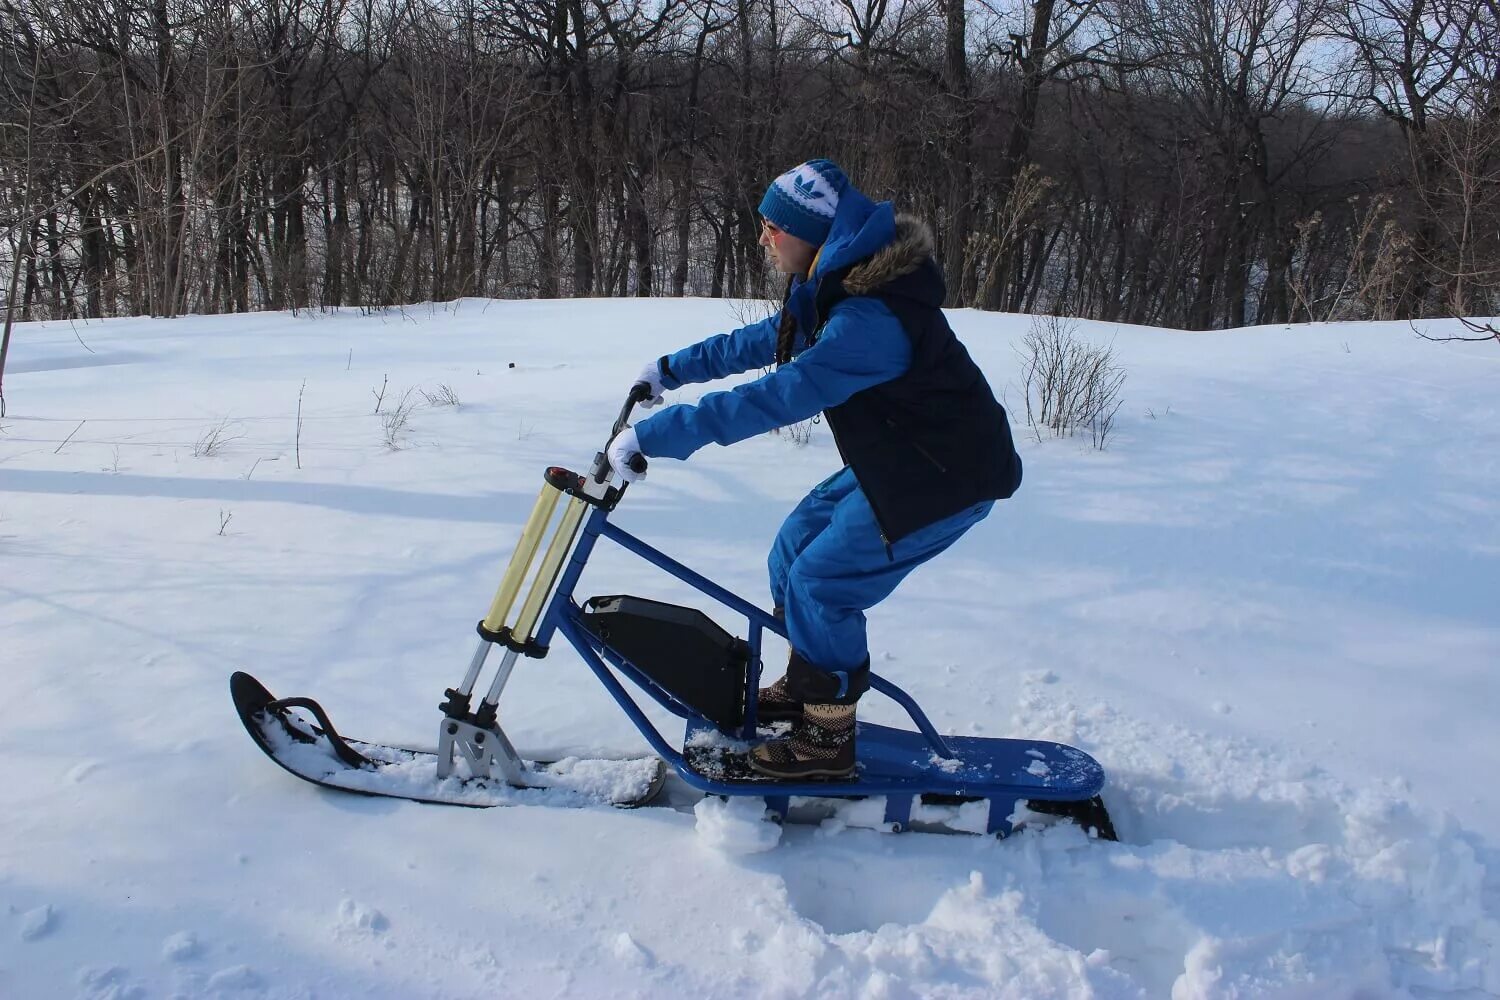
861	338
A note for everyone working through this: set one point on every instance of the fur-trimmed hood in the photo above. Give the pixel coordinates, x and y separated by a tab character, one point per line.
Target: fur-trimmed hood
870	251
903	255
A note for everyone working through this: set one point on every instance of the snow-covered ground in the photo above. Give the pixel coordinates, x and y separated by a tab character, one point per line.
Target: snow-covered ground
1269	609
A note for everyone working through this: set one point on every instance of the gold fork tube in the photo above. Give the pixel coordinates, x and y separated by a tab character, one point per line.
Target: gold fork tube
546	575
515	573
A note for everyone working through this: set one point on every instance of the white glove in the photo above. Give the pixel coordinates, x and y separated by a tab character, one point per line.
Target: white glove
651	375
620	451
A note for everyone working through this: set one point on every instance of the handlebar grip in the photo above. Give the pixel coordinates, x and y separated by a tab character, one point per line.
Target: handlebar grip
638	392
637	463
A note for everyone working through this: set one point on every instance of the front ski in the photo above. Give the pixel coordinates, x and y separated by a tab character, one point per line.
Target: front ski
314	751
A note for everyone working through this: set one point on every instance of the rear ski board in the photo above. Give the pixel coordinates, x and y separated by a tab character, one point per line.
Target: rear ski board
903	762
318	754
1050	778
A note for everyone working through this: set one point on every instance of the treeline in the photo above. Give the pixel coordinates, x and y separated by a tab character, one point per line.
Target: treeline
1193	163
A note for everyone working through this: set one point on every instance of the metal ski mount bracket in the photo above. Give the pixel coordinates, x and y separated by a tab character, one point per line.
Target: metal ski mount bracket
486	751
476	737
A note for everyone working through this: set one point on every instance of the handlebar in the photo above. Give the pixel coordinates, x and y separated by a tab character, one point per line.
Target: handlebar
639	393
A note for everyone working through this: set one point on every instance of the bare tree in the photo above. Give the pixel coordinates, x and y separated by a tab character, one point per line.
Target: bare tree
1187	162
1407	55
21	226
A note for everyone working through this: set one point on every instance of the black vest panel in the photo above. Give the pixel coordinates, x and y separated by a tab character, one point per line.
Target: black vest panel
933	441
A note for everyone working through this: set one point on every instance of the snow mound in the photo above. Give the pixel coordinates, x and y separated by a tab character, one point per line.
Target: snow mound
736	826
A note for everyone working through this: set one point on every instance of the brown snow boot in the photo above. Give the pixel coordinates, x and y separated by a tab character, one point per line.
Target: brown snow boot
821	745
776	704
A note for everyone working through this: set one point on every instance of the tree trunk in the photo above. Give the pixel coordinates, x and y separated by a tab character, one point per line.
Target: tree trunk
1018	147
93	255
957	265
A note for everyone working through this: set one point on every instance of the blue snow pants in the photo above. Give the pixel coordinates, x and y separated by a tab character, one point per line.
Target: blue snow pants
829	565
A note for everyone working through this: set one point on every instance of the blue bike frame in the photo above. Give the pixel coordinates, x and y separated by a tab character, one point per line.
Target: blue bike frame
563	615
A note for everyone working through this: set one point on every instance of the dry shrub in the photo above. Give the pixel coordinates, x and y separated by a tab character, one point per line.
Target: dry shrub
1070	385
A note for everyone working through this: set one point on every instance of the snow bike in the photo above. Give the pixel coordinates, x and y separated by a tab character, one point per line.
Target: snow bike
690	666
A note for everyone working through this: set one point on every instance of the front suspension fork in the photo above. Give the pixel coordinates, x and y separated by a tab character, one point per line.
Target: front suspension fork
475	735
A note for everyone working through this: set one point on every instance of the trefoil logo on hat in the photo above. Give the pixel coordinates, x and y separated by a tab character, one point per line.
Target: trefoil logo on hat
807	187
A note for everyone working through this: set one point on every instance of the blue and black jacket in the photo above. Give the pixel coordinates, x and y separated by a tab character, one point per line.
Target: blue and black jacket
911	413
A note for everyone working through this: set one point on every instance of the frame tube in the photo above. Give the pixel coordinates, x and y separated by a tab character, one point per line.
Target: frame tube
665	750
703	583
561	606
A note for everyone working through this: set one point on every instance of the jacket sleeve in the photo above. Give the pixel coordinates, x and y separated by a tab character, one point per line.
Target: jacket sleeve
752	346
862	345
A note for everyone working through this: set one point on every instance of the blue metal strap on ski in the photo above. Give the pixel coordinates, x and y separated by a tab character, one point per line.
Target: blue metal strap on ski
925	727
898	810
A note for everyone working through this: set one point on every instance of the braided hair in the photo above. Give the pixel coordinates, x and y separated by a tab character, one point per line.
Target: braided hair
786	330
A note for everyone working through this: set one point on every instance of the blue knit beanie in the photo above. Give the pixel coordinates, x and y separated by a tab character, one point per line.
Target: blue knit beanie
803	200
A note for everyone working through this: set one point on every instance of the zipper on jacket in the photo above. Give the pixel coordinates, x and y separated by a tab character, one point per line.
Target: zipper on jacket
928	455
891	423
879	521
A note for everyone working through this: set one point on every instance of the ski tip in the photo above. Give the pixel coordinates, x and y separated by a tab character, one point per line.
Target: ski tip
249	694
